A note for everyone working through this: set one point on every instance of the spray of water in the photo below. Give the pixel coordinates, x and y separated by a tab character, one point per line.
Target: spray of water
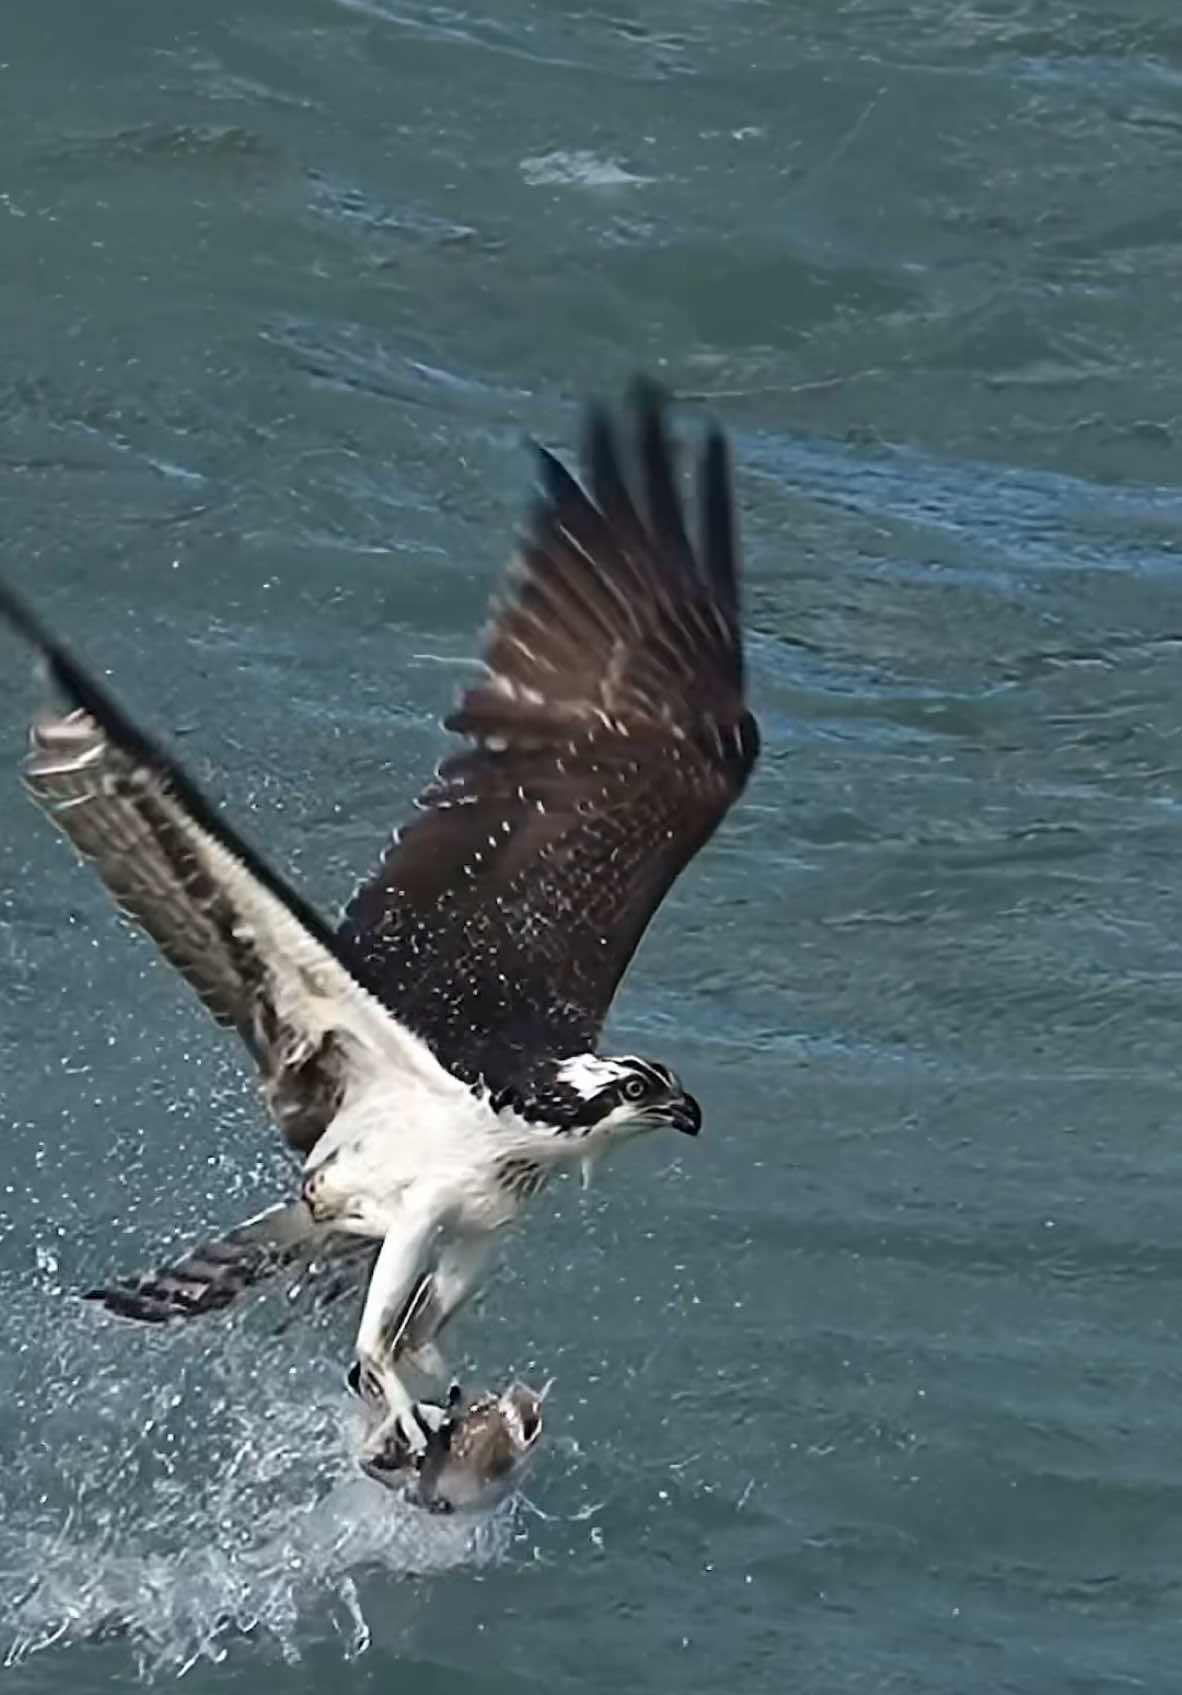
179	1490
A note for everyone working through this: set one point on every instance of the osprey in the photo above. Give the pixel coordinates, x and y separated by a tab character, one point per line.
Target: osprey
434	1059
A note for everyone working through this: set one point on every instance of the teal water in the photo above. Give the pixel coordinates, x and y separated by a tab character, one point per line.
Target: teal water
876	1387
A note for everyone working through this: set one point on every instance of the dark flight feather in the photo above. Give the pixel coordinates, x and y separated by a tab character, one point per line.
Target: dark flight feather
608	740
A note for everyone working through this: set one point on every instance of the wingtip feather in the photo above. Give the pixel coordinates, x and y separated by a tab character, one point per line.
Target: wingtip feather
719	539
647	397
15	610
82	689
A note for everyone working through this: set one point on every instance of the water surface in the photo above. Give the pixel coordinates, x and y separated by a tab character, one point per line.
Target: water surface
876	1387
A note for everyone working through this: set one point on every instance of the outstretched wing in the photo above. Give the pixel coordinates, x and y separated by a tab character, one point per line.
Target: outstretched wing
609	738
260	958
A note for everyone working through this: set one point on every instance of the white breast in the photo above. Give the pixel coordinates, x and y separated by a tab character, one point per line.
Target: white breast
408	1139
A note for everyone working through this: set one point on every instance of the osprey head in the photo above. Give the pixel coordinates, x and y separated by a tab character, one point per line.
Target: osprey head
625	1096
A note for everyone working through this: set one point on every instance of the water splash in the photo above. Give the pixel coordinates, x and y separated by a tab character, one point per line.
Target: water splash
178	1492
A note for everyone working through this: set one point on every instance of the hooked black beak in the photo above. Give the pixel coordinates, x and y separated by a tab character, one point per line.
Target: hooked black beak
686	1116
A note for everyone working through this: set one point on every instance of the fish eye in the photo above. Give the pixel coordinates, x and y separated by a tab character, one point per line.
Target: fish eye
634	1088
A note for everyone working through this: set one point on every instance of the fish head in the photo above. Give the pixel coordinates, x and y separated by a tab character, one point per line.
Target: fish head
475	1457
480	1456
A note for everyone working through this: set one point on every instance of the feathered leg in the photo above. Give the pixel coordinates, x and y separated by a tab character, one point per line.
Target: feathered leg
440	1296
400	1261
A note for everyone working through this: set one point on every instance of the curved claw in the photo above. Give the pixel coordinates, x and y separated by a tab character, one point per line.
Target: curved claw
364	1380
413	1435
404	1439
427	1418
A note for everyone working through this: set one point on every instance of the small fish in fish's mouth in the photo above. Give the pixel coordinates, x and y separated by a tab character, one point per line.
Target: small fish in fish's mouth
474	1459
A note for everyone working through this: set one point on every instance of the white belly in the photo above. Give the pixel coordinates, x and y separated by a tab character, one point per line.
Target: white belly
381	1159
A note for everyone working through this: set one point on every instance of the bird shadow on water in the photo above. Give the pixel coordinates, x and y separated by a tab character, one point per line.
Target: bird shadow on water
176	1493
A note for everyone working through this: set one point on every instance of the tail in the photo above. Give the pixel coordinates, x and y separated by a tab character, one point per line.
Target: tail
212	1276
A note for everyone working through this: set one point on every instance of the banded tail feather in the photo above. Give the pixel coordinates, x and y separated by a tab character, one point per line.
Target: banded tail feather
213	1275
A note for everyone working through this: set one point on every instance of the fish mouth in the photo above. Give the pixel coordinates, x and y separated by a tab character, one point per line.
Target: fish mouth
523	1415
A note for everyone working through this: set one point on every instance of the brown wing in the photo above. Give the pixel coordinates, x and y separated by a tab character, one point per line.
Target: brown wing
609	739
261	960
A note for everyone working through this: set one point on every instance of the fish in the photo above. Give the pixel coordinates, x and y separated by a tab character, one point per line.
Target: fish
475	1456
